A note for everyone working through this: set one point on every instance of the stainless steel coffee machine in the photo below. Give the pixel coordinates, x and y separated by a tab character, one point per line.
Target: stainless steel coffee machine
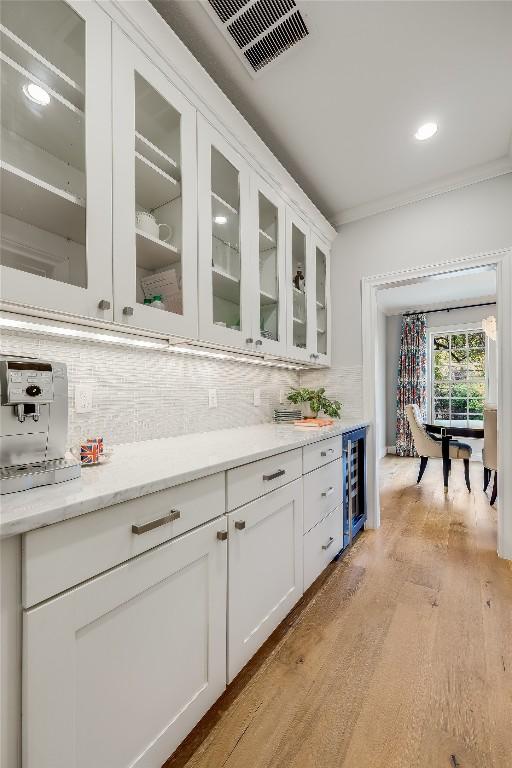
33	424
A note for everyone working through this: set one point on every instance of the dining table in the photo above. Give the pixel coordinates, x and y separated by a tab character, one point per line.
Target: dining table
447	434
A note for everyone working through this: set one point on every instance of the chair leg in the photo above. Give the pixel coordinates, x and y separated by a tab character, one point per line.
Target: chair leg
487	477
423	466
494	488
466	474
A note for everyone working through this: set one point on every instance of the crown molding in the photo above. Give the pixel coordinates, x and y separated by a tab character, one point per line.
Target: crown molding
422	192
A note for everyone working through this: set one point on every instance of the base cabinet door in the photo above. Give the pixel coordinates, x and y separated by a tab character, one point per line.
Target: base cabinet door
265	570
118	670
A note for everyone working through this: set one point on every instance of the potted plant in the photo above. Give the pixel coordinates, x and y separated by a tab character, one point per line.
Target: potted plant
316	401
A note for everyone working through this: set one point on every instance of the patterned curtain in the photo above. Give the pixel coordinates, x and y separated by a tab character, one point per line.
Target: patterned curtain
412	379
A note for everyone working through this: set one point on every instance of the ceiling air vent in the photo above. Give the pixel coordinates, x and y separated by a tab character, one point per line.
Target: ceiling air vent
260	30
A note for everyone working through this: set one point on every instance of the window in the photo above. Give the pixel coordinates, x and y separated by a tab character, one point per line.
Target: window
458	377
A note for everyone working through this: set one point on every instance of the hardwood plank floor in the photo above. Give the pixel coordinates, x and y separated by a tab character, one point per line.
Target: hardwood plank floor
400	656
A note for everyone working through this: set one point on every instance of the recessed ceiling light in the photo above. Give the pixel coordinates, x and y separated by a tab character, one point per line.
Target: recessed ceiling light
220	219
36	94
426	131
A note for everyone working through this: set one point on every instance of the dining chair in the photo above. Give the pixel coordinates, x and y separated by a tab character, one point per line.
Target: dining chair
490	450
427	447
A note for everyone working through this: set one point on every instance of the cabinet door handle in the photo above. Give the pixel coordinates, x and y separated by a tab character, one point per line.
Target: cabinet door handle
222	535
279	473
327	452
329	491
249	340
326	546
104	304
128	311
174	514
258	342
240	525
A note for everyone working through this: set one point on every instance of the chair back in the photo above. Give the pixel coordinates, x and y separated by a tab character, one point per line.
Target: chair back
490	452
424	444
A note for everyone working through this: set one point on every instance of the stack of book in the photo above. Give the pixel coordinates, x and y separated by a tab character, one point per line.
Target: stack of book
286	415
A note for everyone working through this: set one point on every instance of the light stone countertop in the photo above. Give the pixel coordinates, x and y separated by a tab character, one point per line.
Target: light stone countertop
136	469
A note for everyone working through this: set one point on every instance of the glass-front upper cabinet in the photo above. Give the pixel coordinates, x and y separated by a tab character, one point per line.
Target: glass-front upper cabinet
155	197
322	310
300	279
225	270
55	182
269	325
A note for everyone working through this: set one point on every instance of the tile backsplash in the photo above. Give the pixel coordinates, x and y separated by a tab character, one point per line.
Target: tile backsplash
144	394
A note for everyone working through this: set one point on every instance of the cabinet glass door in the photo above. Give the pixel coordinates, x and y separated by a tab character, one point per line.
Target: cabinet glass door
223	246
322	297
154	197
55	178
300	282
269	327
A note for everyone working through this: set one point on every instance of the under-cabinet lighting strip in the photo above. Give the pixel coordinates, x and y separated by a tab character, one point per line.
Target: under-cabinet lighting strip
129	341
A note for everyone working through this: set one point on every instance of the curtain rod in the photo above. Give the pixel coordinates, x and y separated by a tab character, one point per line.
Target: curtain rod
452	309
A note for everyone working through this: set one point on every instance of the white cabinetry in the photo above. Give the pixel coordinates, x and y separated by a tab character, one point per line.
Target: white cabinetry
117	671
265	570
56	157
155	197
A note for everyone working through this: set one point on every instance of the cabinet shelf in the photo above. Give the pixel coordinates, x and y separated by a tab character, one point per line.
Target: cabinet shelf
319	305
43	70
298	321
267	298
153	187
153	253
145	146
321	331
224	204
225	286
29	199
58	127
267	243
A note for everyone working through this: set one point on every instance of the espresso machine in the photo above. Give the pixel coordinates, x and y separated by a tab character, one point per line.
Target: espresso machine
33	424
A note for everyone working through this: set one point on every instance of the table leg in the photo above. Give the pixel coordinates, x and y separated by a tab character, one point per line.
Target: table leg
446	460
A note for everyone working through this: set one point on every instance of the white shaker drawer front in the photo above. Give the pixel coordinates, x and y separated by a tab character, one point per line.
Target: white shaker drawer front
321	544
254	480
318	454
65	554
322	492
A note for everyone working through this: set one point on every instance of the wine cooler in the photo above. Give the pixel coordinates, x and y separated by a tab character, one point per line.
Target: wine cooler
354	483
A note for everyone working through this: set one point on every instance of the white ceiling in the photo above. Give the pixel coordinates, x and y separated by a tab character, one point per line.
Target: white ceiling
450	290
340	109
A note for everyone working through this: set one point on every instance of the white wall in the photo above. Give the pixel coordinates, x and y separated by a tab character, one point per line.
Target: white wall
456	224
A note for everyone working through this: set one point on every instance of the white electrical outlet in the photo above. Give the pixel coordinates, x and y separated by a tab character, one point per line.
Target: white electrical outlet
83	398
257	397
212	398
281	396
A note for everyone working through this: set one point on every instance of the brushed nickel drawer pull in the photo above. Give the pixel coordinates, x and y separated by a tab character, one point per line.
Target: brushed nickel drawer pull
174	514
329	491
326	546
222	535
327	452
240	525
279	473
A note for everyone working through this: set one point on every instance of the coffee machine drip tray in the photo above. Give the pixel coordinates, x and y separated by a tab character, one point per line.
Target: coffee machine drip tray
22	478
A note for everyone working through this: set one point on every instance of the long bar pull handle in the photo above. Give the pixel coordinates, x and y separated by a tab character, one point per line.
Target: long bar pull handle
174	514
240	525
327	452
326	546
329	491
274	475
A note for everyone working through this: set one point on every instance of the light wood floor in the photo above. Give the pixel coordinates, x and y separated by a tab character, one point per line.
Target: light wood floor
400	658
